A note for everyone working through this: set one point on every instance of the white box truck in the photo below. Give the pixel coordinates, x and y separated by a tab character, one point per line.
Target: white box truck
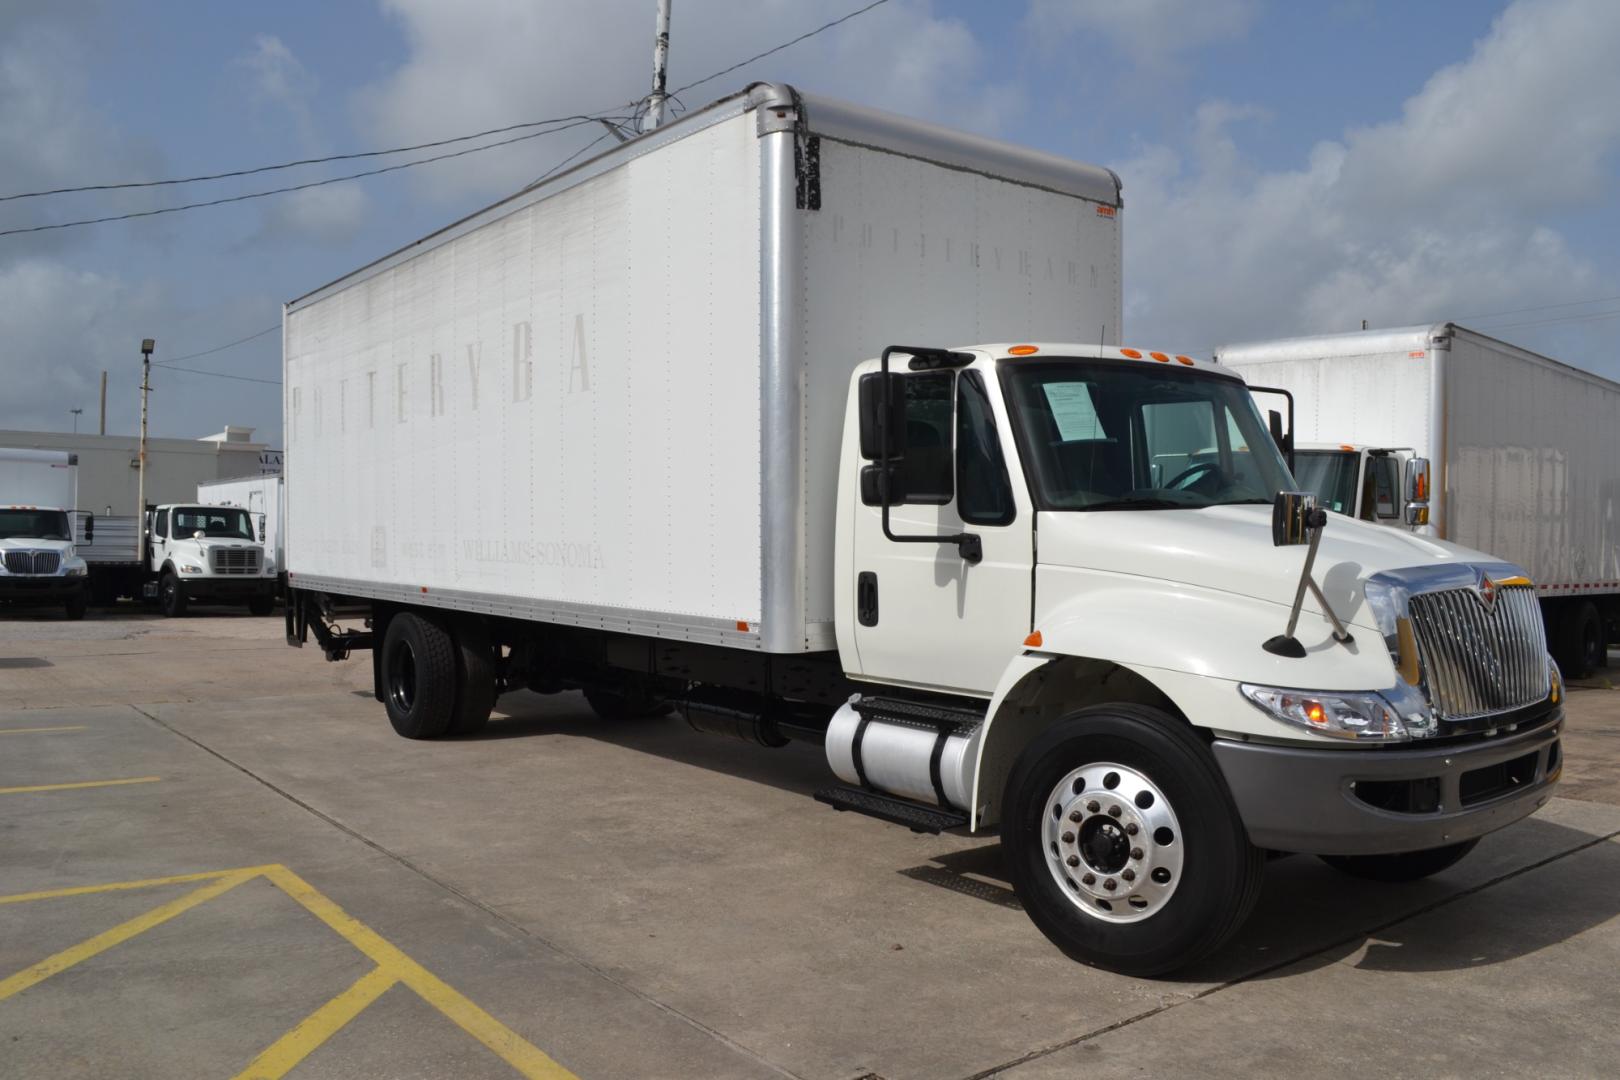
265	500
619	434
40	531
1524	452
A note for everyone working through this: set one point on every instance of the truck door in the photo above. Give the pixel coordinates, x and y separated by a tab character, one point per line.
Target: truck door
925	615
160	539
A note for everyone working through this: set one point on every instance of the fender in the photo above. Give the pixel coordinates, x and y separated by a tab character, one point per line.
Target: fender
1147	641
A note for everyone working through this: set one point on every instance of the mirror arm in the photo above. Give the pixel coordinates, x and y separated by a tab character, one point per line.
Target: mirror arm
1286	644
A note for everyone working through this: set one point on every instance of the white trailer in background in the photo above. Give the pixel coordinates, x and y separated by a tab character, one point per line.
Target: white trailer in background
682	428
1524	453
265	498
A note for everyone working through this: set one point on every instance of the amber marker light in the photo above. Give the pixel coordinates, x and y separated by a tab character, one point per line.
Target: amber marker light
1160	357
1185	359
1033	641
1132	353
1023	350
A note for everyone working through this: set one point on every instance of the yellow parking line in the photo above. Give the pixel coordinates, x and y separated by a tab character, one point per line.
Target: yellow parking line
80	784
32	730
283	1055
506	1043
119	886
84	950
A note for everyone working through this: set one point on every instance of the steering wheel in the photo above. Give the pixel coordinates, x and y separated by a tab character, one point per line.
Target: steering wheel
1176	484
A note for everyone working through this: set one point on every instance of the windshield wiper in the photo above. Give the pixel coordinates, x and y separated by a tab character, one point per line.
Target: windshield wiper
1138	503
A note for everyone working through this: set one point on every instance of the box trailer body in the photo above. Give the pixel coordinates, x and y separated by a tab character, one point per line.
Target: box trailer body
677	429
546	409
265	498
1524	452
41	530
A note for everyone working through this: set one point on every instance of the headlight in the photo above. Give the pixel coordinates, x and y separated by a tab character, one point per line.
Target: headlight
1341	715
187	568
77	571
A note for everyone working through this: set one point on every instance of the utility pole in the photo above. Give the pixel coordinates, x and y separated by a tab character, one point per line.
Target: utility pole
147	345
655	101
75	413
103	403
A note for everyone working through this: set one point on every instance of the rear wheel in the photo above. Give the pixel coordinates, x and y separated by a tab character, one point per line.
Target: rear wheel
419	676
1403	866
261	605
1581	647
77	603
1123	842
171	596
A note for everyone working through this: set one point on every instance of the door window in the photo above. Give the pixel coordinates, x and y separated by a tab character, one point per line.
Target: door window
162	526
927	465
1384	474
984	492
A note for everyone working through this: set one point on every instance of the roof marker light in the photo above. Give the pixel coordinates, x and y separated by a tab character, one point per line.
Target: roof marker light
1160	357
1185	359
1132	353
1023	350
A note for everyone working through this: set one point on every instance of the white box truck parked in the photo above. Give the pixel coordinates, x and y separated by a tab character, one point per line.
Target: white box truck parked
39	528
617	434
201	554
265	500
1524	453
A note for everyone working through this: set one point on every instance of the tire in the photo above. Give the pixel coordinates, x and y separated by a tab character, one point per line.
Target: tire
261	605
419	676
1585	644
77	603
1404	866
171	597
630	703
1196	876
475	679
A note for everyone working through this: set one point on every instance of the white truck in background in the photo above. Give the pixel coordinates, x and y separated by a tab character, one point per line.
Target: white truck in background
197	554
265	500
619	434
39	527
1523	451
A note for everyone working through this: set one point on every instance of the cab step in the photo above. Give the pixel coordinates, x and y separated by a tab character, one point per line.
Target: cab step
922	714
914	816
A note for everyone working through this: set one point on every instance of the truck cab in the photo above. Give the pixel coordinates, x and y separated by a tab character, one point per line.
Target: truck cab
38	562
1385	485
206	554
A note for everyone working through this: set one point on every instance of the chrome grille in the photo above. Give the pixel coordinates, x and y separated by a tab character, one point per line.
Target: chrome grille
32	562
234	561
1481	660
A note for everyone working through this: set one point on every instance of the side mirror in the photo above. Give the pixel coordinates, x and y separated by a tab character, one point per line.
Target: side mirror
872	476
883	433
198	534
90	528
262	520
1293	516
1417	491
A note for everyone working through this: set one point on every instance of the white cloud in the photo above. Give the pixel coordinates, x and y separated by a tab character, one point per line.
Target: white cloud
483	63
330	216
1439	213
1151	32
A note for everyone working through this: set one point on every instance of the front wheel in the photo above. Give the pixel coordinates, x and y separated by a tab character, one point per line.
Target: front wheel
261	605
1124	843
77	603
171	596
1402	866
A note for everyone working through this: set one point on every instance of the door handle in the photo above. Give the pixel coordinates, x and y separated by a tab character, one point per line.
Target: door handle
866	598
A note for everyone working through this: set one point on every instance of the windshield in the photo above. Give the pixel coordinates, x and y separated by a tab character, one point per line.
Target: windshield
34	525
1331	474
212	521
1097	435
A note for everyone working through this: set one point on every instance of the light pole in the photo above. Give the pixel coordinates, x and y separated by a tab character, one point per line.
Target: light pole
147	345
75	413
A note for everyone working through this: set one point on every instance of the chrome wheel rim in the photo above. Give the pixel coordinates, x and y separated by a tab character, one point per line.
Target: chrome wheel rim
1113	842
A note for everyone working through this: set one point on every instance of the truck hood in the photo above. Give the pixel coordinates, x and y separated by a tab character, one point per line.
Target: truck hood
25	543
1229	549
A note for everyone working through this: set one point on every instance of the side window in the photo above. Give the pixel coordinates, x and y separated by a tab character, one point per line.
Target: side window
984	493
927	466
162	526
1386	485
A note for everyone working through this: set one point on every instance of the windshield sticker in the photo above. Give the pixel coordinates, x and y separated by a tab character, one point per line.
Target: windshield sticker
1072	410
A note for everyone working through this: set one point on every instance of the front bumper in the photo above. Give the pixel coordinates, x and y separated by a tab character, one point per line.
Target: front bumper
1370	802
204	589
40	589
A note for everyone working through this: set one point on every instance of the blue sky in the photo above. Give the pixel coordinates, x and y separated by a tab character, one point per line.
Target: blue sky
1289	167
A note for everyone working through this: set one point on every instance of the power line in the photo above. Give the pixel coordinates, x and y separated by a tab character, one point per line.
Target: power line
779	48
217	348
294	187
222	375
1542	307
555	168
292	164
1590	317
